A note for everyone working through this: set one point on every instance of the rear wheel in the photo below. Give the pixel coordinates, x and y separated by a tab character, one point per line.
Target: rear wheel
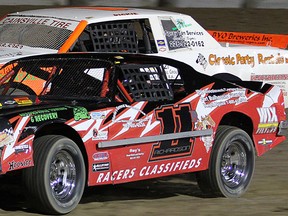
56	183
231	165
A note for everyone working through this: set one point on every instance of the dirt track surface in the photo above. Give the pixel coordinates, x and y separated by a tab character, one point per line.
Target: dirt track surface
177	195
180	195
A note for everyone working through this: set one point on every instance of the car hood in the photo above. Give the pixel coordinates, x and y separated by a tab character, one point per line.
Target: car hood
10	52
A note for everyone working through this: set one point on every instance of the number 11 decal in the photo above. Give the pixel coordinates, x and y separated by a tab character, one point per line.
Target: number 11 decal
174	120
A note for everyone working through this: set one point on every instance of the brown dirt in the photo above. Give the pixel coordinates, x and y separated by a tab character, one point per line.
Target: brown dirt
180	195
177	195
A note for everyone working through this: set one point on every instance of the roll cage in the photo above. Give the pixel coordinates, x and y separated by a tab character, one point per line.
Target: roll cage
116	77
86	78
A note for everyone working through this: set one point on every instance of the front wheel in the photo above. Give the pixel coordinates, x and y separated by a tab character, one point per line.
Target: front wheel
56	182
231	165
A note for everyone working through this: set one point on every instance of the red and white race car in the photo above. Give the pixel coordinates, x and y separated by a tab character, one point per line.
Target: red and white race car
153	32
108	119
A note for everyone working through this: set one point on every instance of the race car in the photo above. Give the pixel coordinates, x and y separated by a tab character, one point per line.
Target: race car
152	32
104	118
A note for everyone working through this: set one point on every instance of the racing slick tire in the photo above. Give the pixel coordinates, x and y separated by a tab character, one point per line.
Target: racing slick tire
56	183
231	164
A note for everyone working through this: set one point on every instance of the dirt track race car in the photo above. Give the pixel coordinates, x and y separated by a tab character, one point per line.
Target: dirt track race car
110	119
152	32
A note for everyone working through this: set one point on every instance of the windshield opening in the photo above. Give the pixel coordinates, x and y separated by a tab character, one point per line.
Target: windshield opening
56	77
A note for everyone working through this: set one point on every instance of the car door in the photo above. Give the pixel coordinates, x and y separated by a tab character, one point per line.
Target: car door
149	136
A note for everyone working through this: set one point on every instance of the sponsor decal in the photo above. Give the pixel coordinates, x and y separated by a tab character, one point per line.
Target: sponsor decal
30	128
274	40
265	142
211	98
169	167
135	153
185	43
80	113
279	80
161	43
171	72
37	21
236	36
272	59
174	35
9	102
202	61
150	170
13	165
206	122
99	135
130	123
125	14
100	167
162	49
44	117
98	115
116	175
38	112
136	123
6	136
23	101
269	77
268	120
178	37
237	59
162	46
180	23
251	60
11	45
99	156
24	148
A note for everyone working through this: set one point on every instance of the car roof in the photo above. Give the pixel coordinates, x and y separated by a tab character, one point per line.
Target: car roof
93	14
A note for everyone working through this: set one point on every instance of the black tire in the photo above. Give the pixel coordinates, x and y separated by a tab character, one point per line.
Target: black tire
231	165
56	182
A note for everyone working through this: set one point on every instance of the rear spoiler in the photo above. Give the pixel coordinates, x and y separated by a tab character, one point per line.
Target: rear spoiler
256	39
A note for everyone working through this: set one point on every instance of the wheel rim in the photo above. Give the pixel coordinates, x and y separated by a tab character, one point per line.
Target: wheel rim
62	176
234	168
